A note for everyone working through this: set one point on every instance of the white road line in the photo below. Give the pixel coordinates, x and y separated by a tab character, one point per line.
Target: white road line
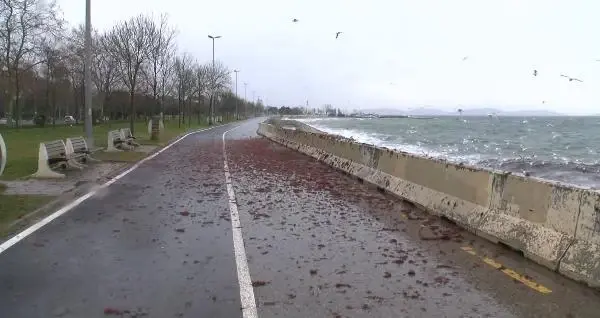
30	230
246	292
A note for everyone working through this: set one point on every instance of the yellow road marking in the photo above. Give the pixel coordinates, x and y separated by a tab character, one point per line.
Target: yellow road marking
511	273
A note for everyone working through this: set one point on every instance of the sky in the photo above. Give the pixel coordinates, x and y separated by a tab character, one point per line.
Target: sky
395	54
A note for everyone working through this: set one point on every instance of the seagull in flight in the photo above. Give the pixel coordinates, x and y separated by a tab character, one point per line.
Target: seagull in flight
465	58
337	34
534	72
295	20
571	78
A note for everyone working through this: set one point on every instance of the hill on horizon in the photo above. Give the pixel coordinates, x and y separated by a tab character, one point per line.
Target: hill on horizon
427	111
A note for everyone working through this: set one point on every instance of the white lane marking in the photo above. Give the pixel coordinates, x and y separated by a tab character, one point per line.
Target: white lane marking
246	292
30	230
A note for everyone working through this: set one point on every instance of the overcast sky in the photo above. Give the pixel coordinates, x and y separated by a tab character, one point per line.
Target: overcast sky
393	54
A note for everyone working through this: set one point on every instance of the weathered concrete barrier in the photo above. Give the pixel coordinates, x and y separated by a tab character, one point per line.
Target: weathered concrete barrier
554	225
582	259
291	124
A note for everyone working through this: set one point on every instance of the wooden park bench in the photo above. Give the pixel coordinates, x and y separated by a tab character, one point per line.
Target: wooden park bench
116	142
128	137
2	155
52	154
78	152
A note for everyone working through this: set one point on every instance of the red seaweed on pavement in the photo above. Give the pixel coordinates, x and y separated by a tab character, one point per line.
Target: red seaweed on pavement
108	311
342	285
441	280
259	283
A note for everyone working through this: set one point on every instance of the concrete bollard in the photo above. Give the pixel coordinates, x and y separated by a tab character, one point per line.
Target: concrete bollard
155	128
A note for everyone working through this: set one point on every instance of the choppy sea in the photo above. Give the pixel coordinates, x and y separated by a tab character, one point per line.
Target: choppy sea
556	148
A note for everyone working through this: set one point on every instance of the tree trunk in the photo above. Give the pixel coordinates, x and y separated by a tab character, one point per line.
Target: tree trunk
190	112
132	110
47	108
179	111
199	111
9	99
183	111
102	101
54	107
17	114
210	112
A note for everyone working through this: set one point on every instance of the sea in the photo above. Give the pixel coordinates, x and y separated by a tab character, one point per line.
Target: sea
564	149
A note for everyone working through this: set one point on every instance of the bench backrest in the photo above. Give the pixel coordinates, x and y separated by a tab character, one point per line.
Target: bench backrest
55	149
79	144
126	133
115	135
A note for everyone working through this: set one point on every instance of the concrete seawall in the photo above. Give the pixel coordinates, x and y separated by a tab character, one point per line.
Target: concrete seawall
555	225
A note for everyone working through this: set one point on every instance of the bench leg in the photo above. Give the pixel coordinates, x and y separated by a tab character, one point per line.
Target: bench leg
74	164
111	148
44	171
125	146
92	159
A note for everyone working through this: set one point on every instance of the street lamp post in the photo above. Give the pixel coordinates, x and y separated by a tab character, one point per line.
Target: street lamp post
237	113
88	74
212	93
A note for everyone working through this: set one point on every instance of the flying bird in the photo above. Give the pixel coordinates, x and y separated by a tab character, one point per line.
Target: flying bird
534	72
337	34
465	58
295	20
571	78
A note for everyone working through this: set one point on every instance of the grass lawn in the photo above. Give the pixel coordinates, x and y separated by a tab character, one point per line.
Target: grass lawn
13	207
23	144
22	147
123	156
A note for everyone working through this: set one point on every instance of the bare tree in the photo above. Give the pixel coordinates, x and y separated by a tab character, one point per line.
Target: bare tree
41	68
74	59
184	77
167	84
23	26
52	57
129	42
218	83
160	51
202	73
104	70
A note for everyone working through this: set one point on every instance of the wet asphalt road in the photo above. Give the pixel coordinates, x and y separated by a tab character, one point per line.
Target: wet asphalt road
158	243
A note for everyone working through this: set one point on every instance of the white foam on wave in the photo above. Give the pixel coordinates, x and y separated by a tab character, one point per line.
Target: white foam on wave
380	141
317	119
